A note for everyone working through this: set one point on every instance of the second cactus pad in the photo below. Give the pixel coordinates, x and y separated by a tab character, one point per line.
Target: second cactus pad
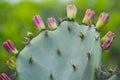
71	52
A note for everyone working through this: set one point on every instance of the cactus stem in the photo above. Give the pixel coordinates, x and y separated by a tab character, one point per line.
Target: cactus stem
46	33
80	35
74	67
69	28
87	54
58	51
30	59
51	76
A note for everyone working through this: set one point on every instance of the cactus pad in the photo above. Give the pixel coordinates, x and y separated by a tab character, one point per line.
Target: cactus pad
71	52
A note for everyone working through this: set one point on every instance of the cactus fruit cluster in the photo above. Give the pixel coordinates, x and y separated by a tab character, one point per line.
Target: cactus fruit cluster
64	51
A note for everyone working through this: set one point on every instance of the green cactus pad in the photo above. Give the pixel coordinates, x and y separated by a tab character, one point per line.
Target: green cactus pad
71	52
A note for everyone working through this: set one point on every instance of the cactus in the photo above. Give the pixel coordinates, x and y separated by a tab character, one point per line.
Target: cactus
67	51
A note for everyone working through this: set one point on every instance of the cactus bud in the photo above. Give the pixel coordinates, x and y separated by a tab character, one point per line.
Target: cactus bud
71	11
3	76
88	16
106	45
107	40
11	64
108	36
102	20
9	46
37	20
52	23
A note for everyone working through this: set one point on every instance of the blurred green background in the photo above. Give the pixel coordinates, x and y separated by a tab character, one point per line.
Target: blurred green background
16	21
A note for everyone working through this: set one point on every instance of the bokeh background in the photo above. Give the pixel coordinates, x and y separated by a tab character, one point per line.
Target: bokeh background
16	21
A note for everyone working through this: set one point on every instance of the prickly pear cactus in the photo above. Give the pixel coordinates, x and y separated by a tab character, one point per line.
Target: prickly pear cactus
67	51
62	54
